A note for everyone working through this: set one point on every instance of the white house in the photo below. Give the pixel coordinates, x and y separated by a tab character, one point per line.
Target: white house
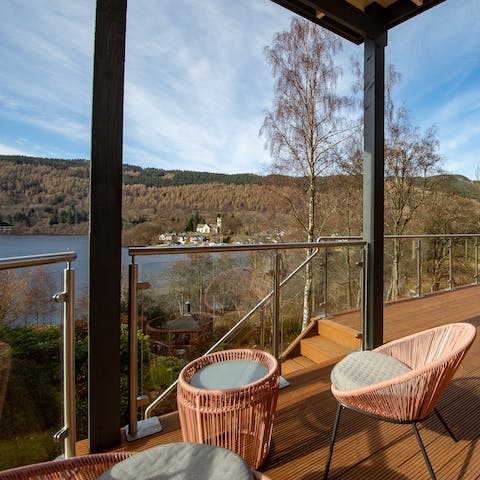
205	228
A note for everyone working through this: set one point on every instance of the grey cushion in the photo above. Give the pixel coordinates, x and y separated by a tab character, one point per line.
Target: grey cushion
359	369
181	461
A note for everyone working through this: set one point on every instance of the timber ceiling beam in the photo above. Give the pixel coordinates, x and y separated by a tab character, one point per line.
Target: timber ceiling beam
403	10
345	19
368	23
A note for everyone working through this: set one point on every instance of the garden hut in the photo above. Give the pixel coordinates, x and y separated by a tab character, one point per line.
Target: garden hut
182	335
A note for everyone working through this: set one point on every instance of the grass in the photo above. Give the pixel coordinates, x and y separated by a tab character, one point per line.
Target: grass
32	448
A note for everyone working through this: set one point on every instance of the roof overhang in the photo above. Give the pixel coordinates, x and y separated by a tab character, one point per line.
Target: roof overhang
356	20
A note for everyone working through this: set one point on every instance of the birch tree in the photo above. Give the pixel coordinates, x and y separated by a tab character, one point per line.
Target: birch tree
304	126
411	157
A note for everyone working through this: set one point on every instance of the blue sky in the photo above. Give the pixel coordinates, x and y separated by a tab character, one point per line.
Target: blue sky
197	82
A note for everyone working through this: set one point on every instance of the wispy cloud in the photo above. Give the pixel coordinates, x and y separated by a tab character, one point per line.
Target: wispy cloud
9	150
197	82
45	73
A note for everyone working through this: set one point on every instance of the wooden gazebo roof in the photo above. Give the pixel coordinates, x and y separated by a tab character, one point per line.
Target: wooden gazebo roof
357	19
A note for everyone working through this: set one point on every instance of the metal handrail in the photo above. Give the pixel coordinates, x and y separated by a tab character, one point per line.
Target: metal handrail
152	251
35	260
400	237
67	432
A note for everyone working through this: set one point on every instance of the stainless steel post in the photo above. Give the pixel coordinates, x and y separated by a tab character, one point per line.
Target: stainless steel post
419	267
132	343
476	260
363	317
67	432
325	283
450	266
69	361
276	307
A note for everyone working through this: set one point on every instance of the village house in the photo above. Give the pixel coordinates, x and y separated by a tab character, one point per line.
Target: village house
207	229
168	237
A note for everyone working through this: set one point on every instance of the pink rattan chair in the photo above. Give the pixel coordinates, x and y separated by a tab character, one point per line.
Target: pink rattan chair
401	381
240	418
87	467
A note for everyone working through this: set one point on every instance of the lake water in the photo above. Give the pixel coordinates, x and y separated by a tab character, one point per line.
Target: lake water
26	245
155	270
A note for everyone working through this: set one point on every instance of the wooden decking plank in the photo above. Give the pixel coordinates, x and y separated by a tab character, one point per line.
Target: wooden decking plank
368	448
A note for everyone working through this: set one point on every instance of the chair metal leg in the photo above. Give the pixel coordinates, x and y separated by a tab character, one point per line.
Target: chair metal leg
332	441
424	452
444	423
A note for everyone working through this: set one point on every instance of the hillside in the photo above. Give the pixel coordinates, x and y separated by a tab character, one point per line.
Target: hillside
50	196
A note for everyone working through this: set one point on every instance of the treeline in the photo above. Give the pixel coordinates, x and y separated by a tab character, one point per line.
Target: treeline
50	196
48	162
150	177
154	177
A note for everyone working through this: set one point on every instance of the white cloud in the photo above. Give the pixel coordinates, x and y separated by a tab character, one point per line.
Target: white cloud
9	150
197	82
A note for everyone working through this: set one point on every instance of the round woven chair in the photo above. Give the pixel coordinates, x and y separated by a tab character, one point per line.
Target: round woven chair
240	418
87	467
5	364
401	381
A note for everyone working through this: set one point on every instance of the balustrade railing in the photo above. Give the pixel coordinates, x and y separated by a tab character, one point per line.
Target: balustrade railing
434	255
443	261
279	280
28	288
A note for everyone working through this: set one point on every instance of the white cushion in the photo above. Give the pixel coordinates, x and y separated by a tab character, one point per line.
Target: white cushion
181	461
359	369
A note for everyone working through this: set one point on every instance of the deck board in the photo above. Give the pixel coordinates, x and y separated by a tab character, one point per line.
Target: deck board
366	448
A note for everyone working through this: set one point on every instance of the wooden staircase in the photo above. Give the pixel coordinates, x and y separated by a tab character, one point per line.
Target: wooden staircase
324	342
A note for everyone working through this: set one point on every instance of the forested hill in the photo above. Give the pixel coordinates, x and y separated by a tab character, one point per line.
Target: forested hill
150	177
157	177
50	196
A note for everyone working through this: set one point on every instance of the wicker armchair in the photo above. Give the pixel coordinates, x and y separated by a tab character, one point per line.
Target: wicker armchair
401	381
88	467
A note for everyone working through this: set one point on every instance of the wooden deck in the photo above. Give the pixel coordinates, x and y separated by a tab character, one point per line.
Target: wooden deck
366	448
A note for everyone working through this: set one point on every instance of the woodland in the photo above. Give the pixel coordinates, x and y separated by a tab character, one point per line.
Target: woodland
50	196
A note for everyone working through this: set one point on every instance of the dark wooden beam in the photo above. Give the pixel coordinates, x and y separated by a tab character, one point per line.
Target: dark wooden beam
106	225
353	24
310	13
373	185
350	17
403	10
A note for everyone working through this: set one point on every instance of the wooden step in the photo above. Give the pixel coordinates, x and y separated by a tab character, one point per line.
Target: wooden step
340	334
296	363
320	349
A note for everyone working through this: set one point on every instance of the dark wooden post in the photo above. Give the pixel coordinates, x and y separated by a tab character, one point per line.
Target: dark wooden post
106	225
373	187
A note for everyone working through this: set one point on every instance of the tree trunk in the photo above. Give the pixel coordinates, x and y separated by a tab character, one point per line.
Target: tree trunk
393	290
307	292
